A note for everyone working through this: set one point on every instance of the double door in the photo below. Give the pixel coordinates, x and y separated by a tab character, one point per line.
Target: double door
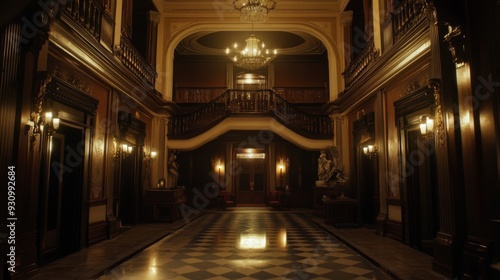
251	182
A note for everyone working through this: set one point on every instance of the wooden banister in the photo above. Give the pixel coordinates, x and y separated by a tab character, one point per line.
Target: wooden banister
250	102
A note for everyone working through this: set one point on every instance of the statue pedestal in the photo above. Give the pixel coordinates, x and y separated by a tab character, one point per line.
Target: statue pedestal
321	183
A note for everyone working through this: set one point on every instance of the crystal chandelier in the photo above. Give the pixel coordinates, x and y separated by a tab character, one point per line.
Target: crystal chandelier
253	56
254	11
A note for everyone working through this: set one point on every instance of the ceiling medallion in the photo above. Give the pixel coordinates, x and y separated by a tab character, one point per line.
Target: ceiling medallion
254	11
253	56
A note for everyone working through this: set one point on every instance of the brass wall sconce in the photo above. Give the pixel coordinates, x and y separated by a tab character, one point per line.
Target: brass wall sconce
427	126
281	166
151	156
40	122
371	151
121	151
219	167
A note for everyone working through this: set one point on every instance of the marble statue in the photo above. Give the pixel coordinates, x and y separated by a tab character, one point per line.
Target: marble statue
330	169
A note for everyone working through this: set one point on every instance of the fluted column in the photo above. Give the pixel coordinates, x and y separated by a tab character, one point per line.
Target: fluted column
447	254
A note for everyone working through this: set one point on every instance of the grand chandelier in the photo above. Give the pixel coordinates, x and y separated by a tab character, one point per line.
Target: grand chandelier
253	56
254	11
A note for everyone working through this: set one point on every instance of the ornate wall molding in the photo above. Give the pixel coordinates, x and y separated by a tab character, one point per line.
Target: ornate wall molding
435	85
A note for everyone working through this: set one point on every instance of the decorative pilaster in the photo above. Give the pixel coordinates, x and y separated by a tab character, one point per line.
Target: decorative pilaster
448	246
435	85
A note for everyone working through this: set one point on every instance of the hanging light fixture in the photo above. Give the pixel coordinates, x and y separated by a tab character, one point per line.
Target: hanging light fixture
254	11
253	56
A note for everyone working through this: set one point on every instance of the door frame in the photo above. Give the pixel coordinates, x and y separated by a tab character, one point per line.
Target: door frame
366	179
132	132
76	109
261	199
417	221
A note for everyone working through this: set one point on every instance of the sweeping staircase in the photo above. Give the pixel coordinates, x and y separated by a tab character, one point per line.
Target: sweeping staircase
248	107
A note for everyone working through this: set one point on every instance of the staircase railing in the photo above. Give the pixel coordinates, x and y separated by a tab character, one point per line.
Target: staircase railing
406	15
250	103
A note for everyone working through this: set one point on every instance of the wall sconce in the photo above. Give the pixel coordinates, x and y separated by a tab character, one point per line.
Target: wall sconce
151	156
122	150
282	168
371	151
39	122
427	126
219	169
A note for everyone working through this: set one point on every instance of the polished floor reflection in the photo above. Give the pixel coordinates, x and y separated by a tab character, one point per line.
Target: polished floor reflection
248	245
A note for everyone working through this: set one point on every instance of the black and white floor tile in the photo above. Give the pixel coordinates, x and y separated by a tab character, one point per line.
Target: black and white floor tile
248	245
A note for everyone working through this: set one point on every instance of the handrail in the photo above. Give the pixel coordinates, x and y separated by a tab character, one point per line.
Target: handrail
133	59
303	95
405	16
87	13
250	102
197	94
358	66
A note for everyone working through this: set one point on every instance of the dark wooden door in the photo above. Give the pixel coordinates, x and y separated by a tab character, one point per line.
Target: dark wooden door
420	192
129	188
250	182
61	200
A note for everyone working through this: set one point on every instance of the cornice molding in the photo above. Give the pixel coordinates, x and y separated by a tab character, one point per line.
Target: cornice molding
215	6
70	94
414	101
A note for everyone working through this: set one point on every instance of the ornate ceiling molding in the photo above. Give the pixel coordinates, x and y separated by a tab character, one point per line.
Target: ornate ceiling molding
308	44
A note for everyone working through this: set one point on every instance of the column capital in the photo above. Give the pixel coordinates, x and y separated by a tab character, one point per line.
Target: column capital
154	17
346	17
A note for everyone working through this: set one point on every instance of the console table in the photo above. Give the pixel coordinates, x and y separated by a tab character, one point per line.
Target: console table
163	205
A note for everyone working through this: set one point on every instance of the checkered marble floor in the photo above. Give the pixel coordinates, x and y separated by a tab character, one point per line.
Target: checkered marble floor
248	245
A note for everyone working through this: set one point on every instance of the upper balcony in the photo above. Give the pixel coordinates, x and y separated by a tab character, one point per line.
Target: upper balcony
402	22
93	17
250	103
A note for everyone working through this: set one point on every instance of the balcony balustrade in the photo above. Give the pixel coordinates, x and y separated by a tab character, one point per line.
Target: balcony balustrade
358	66
406	15
91	15
131	58
296	95
250	103
88	13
